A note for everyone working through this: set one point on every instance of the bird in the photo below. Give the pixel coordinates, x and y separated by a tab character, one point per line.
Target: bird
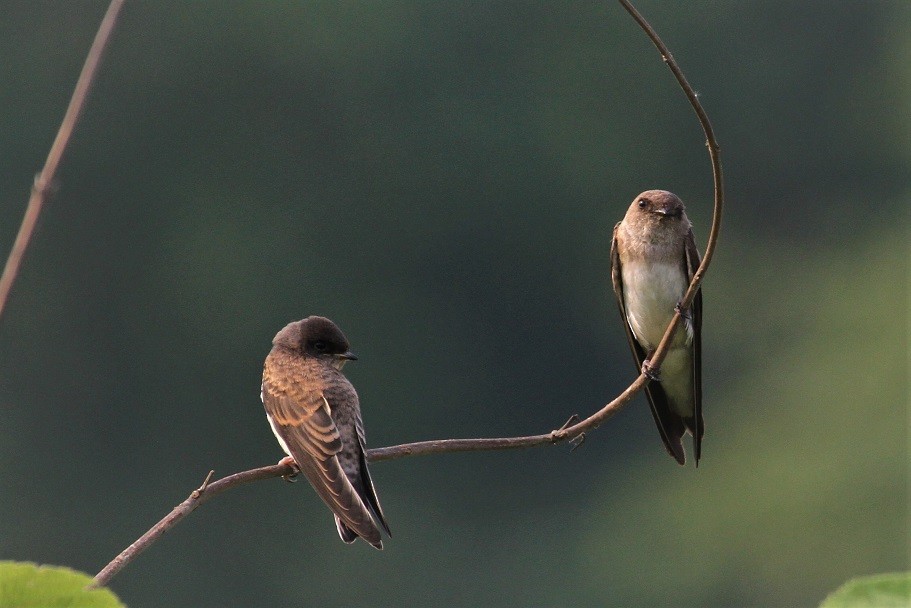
315	414
653	259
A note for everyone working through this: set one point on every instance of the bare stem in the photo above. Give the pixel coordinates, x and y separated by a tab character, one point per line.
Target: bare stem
208	490
441	446
45	179
712	144
200	495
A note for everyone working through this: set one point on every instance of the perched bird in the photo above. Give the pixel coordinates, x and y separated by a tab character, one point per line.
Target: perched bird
653	259
315	414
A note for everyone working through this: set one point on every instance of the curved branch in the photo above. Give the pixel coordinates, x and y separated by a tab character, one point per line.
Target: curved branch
567	432
197	497
45	179
209	490
717	179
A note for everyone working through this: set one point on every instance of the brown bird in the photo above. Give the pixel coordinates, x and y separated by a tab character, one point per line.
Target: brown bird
653	259
316	416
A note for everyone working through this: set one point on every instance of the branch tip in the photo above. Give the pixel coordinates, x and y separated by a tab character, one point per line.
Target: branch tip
205	483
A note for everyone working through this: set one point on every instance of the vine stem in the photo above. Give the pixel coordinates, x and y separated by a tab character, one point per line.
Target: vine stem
45	179
569	431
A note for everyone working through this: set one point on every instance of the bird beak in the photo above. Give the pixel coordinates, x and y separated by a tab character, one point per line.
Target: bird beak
348	356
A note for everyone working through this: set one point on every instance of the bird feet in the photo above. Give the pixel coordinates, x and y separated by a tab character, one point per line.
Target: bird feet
683	312
287	461
650	372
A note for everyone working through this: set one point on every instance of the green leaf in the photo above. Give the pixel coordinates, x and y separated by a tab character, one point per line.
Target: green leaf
878	591
27	585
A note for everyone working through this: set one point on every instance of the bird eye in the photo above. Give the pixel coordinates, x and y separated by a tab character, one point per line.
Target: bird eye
643	203
319	345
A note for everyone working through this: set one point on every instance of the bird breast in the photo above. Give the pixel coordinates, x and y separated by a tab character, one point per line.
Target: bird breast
651	290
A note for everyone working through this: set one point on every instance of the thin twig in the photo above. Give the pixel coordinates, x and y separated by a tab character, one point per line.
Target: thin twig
712	144
441	446
564	433
210	490
205	492
45	179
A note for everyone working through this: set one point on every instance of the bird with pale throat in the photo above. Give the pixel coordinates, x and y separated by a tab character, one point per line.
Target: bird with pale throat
653	259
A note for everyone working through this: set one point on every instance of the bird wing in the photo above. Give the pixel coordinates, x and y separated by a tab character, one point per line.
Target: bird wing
670	426
303	420
369	491
692	264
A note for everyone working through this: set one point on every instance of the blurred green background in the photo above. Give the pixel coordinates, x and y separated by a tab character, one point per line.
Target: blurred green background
441	179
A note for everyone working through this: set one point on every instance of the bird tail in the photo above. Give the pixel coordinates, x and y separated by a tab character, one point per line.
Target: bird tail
696	429
673	442
349	536
670	425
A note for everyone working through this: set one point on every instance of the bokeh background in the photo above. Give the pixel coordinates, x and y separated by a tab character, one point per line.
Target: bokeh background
442	179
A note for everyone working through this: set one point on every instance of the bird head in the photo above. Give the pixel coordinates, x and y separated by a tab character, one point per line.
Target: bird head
658	203
316	337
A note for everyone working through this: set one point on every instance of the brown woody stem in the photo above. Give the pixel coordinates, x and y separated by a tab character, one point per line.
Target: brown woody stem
440	446
45	179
